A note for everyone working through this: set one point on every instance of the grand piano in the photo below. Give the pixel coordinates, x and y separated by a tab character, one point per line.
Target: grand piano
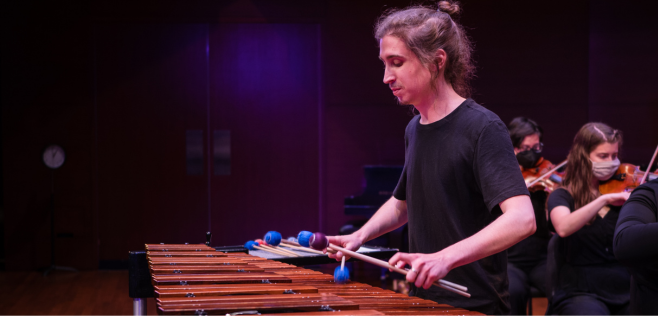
379	183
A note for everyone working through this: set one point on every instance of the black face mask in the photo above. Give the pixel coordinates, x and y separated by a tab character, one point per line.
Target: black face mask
528	159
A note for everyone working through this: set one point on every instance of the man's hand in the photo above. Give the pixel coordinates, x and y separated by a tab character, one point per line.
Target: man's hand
425	268
349	242
390	216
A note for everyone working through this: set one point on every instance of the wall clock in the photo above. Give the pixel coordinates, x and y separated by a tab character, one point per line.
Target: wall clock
53	156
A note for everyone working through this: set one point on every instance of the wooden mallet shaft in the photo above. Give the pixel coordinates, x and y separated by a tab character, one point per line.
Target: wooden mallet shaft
456	288
291	253
300	248
292	243
269	250
282	251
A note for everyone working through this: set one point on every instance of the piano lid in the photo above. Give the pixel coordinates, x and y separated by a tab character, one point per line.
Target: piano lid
379	183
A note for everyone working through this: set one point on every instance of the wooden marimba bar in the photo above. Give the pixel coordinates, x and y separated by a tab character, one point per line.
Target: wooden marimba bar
197	280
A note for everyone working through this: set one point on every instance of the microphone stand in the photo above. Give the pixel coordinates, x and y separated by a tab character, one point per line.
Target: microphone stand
52	231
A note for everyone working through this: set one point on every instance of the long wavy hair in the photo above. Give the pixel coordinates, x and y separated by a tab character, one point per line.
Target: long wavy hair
579	167
425	30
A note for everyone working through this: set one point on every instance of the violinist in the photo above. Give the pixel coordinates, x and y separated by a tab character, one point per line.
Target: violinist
590	280
527	260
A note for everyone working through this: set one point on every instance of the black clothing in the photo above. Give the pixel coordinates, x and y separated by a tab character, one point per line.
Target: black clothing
635	245
527	259
456	172
588	305
521	277
590	267
532	250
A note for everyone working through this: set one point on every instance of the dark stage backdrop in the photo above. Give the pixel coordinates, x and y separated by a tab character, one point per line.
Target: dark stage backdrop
147	100
264	89
623	74
151	87
167	93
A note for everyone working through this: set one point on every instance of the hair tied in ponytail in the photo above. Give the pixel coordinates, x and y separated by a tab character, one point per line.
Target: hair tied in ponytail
448	7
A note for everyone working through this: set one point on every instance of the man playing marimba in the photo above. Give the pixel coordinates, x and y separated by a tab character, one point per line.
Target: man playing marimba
461	190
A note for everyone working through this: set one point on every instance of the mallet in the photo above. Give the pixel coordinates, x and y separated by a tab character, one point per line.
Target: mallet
319	241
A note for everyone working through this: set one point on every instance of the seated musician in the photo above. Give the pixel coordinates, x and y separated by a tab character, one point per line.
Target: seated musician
527	260
635	246
461	190
590	281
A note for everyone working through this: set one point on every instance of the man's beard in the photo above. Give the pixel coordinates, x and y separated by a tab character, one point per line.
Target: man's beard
402	103
411	107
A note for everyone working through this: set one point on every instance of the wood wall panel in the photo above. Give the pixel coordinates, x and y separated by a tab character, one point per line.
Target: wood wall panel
151	88
264	88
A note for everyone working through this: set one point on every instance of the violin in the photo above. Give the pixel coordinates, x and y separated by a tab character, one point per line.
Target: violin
537	178
626	178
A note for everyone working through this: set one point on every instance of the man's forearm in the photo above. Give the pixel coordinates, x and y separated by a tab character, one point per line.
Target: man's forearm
390	216
513	226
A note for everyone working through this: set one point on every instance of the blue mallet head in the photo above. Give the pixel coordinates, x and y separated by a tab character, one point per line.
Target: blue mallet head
250	245
303	238
272	238
341	275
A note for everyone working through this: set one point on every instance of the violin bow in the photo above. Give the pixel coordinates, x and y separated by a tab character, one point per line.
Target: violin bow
646	173
548	173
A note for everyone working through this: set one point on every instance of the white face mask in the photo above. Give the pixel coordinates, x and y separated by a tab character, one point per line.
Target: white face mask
604	170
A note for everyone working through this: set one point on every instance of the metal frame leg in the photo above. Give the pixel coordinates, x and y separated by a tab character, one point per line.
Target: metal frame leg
139	306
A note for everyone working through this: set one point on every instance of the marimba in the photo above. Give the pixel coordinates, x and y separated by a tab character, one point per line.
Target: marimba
198	280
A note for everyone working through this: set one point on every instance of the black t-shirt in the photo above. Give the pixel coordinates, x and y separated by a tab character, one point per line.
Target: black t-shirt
591	267
456	172
532	250
636	246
